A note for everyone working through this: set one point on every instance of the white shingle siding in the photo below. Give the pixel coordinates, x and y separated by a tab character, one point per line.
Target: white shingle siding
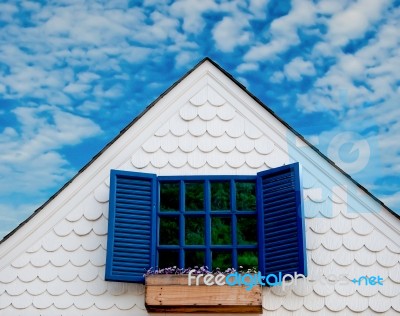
208	136
206	125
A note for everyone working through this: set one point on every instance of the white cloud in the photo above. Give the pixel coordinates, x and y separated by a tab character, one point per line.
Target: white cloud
88	107
351	65
247	67
230	32
87	77
76	88
185	58
113	92
81	36
367	76
133	54
30	6
355	21
297	68
331	7
192	13
7	11
258	8
161	29
277	77
283	32
29	156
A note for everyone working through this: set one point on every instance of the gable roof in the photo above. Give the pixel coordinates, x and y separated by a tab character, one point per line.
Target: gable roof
206	59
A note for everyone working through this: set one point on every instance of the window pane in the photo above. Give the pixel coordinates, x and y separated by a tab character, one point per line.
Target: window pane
248	259
194	230
222	260
221	232
220	196
246	230
169	230
169	196
246	196
194	258
168	258
194	196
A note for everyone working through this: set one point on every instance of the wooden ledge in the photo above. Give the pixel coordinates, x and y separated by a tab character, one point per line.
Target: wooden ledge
172	294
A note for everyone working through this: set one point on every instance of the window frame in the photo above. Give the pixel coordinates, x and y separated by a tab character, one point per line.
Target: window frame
128	250
207	213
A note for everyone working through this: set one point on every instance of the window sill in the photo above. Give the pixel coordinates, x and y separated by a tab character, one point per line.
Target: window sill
172	294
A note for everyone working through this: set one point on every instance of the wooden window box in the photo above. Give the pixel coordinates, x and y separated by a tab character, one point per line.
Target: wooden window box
172	294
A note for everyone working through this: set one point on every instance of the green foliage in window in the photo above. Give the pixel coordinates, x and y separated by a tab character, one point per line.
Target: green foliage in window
247	259
220	196
221	260
246	230
169	230
245	196
221	232
169	196
194	196
194	230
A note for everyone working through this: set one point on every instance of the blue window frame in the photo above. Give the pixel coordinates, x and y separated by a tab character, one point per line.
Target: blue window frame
205	220
191	220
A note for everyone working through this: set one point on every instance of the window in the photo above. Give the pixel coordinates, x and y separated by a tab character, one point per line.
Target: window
219	221
208	221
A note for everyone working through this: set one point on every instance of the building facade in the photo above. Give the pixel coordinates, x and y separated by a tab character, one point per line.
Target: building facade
207	124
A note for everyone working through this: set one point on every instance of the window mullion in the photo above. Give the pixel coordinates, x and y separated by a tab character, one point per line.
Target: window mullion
234	223
207	205
181	224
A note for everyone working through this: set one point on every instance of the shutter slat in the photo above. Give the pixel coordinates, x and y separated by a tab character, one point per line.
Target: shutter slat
278	218
279	208
278	251
278	196
271	233
131	231
281	221
277	244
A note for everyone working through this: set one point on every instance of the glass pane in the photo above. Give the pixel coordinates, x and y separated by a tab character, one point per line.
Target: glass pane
169	196
194	258
220	196
222	260
194	196
246	196
168	258
248	259
246	230
194	230
221	232
169	230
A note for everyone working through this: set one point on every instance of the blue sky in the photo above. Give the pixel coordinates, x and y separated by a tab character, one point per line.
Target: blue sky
73	73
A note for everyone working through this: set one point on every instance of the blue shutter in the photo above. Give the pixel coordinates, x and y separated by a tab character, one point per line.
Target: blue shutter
281	221
131	226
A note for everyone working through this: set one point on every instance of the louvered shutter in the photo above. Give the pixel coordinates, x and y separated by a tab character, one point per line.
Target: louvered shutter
131	226
281	221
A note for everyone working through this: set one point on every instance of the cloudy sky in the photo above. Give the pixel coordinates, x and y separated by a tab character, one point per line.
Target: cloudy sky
73	73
